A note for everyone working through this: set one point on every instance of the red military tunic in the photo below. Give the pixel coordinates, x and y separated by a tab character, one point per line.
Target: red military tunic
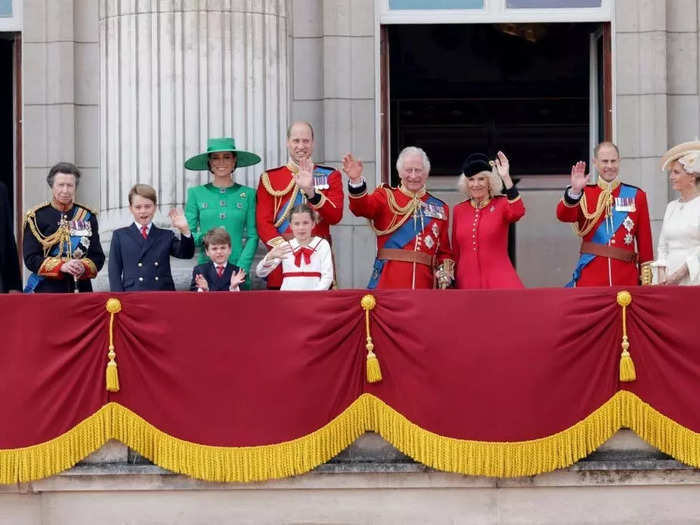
480	243
634	235
390	208
276	195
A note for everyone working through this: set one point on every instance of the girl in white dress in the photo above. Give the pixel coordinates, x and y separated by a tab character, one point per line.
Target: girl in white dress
679	243
306	260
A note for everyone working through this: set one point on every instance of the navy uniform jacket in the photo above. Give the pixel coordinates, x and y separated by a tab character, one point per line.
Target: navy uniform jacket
216	283
137	264
43	221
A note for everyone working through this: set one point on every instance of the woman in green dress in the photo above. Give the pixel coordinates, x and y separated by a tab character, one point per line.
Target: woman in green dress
223	202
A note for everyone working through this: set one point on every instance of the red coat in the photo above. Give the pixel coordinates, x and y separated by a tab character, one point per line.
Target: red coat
480	243
606	271
276	192
430	237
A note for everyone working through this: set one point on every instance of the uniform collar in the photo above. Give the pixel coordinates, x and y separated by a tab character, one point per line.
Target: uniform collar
417	195
610	186
294	167
481	205
60	207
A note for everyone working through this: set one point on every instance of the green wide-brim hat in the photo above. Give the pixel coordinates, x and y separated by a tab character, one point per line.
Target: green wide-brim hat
201	161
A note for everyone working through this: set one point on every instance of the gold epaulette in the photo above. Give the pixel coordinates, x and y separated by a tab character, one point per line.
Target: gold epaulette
265	180
32	212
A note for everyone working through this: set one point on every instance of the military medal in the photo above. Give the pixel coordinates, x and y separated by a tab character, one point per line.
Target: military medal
625	204
629	238
628	223
429	242
436	230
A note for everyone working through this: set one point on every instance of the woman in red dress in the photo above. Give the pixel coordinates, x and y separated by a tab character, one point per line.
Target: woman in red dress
480	227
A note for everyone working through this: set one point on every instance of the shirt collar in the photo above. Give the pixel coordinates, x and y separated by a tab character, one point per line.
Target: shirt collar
148	226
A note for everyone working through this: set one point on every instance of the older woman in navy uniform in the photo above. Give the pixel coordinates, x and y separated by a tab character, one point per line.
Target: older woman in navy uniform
139	256
61	244
223	202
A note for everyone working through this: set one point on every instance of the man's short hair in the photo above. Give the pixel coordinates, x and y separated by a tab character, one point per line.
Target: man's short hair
289	129
216	236
63	167
411	150
145	191
606	143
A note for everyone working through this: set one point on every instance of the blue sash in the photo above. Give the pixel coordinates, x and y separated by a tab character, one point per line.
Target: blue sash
400	238
602	235
285	224
34	279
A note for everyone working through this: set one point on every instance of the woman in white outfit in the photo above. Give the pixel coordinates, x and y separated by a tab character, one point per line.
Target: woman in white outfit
306	260
679	243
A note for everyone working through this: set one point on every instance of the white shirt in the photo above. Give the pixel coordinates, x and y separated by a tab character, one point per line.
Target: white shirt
148	227
321	262
679	241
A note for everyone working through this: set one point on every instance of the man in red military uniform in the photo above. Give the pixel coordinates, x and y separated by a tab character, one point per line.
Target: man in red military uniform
413	248
612	220
282	188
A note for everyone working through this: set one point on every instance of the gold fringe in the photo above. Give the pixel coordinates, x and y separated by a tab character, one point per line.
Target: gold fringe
499	459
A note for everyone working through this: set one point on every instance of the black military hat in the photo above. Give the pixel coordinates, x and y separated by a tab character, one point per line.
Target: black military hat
475	163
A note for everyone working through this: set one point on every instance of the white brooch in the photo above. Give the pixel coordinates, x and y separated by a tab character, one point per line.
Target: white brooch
629	238
492	208
429	242
628	224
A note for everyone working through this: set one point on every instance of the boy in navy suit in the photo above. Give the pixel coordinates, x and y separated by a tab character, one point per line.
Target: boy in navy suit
217	275
139	256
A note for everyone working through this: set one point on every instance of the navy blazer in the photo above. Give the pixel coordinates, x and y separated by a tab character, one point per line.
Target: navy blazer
216	283
137	264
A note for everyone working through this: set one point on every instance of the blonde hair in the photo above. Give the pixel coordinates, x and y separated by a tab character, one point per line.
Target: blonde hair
495	183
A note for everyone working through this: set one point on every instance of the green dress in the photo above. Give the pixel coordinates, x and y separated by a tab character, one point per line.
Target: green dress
233	208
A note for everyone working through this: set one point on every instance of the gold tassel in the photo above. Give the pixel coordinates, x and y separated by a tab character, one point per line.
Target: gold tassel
627	371
113	306
374	371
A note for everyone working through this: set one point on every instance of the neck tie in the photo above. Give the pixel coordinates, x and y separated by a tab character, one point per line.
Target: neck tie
144	231
305	252
219	271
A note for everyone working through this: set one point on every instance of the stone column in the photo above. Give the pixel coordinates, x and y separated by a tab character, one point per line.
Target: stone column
176	72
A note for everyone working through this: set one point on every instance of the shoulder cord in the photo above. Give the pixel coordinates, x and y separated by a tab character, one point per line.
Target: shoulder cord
604	205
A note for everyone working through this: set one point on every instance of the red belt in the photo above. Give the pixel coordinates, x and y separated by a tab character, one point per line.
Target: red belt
302	274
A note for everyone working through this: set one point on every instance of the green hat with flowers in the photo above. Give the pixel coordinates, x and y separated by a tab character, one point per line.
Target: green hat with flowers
201	161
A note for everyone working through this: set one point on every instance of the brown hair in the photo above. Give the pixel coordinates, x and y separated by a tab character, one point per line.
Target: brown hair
216	236
63	167
304	208
145	191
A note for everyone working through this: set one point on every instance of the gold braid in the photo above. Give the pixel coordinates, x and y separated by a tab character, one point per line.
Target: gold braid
604	205
61	236
406	211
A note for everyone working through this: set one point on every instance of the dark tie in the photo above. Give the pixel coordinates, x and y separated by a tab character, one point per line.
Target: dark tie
144	231
219	271
304	251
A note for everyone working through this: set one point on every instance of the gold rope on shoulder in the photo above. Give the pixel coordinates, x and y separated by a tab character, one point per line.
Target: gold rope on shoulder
604	205
403	211
265	179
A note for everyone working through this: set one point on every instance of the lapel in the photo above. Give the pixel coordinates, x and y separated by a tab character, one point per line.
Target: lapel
135	234
151	240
